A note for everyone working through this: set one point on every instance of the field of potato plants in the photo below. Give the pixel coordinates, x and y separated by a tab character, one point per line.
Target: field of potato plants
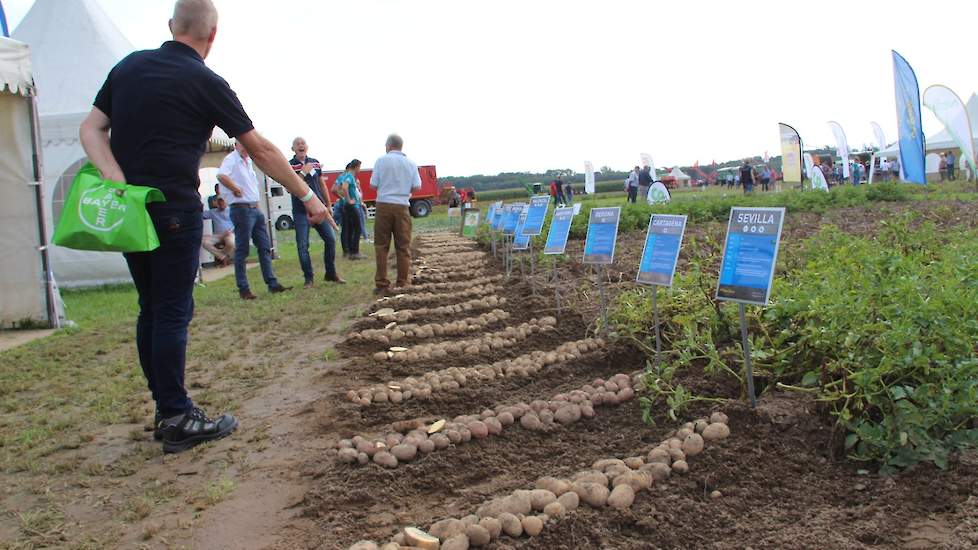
468	414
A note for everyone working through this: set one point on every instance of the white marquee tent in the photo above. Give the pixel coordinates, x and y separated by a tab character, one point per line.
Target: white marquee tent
74	45
681	177
27	290
942	141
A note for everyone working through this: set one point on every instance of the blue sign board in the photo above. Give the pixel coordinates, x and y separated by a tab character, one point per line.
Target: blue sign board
602	234
661	249
497	217
521	241
511	217
560	225
490	212
536	215
749	255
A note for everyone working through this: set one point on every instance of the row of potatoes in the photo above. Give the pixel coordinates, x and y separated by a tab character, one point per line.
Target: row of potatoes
610	482
451	379
545	415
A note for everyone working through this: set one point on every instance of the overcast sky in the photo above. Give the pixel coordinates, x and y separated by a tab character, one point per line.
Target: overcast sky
520	85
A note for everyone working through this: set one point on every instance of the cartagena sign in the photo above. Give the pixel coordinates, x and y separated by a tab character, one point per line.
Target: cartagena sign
665	235
749	255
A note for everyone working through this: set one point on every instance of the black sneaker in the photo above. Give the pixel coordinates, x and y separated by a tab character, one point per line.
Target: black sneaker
194	428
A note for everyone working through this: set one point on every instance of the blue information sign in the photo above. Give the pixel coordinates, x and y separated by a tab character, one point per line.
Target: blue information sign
521	241
497	217
661	249
602	234
749	255
491	211
560	225
511	217
536	215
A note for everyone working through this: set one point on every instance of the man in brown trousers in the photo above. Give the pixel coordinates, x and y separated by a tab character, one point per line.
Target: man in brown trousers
394	177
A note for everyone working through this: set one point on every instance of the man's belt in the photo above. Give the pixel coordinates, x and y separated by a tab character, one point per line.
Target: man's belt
245	205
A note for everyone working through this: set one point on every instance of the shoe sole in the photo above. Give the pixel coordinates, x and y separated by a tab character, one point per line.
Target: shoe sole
173	447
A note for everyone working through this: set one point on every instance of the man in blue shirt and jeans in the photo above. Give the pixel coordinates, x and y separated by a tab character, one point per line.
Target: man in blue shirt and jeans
149	126
310	170
222	234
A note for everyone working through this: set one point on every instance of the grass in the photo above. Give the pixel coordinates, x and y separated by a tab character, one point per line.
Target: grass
59	395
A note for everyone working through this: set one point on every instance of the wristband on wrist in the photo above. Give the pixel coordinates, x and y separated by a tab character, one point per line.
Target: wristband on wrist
308	197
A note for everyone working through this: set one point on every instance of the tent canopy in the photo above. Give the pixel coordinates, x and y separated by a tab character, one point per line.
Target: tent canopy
15	68
678	174
942	140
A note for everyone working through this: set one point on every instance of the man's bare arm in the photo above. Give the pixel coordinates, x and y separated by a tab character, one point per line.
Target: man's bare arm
229	183
94	135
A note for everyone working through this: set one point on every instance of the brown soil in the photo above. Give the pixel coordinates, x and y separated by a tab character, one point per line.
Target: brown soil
781	485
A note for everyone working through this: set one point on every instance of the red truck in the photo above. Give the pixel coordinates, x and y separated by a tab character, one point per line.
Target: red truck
422	200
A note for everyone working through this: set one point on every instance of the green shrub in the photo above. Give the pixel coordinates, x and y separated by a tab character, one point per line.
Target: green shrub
882	330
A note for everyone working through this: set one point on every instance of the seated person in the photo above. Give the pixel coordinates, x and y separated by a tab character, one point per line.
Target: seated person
221	242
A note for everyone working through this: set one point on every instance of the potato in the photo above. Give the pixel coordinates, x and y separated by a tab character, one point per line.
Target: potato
532	525
440	440
416	537
493	526
568	414
380	356
603	464
693	444
512	504
718	418
362	458
592	476
505	418
587	411
716	432
569	500
347	456
555	510
621	497
531	421
385	459
677	454
592	493
540	498
682	433
426	446
700	425
478	535
511	525
674	443
447	528
404	452
494	425
657	470
454	436
479	429
391	546
680	467
554	485
364	545
636	480
634	462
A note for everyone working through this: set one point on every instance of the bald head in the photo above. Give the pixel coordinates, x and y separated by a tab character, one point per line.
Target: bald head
194	20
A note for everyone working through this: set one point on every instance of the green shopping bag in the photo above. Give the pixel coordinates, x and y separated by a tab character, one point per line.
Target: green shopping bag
107	215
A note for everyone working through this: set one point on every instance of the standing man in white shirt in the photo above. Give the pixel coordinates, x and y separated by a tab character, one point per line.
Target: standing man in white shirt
394	177
237	176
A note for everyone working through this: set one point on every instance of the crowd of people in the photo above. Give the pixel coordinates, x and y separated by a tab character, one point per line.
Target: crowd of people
561	192
169	93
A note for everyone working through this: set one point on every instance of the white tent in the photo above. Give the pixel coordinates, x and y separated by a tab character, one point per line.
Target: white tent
27	291
74	45
942	141
680	176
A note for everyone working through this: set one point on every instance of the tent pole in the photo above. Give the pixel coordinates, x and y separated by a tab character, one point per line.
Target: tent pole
36	160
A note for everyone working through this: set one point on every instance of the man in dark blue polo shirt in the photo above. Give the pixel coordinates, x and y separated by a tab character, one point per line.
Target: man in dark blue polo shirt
161	107
311	171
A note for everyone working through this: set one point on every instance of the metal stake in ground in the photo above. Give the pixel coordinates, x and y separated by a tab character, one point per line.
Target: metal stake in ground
533	288
556	288
604	301
655	320
747	363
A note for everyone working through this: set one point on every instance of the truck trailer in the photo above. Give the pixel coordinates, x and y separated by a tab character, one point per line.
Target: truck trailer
422	200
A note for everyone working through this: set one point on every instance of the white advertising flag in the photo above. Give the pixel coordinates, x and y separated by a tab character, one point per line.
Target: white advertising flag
950	110
818	179
588	177
658	194
842	146
880	136
809	163
647	161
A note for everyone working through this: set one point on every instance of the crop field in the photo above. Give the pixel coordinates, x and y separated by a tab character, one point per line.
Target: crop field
467	411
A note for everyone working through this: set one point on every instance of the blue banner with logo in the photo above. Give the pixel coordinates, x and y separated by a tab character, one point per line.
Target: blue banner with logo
3	22
909	121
